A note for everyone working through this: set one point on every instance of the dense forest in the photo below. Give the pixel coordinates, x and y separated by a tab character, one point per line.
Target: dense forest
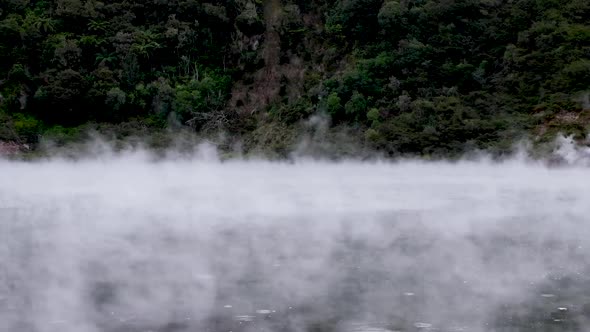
427	77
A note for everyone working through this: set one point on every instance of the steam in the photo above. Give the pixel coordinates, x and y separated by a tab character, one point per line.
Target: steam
124	242
571	153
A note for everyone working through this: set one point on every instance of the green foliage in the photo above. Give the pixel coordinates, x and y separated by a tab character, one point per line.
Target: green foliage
374	117
198	97
98	26
26	126
294	112
333	104
353	17
390	16
60	135
356	107
115	98
248	20
60	97
428	77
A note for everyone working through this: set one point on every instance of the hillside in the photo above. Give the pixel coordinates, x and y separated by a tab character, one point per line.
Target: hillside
425	77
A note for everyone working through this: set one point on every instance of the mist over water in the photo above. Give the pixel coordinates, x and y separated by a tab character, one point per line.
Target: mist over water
123	243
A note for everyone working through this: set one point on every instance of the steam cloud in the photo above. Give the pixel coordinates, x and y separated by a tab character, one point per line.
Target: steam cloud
122	243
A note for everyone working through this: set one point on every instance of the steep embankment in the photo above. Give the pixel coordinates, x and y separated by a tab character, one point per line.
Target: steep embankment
431	78
255	91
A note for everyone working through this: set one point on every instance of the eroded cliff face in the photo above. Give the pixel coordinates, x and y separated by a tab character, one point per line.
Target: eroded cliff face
279	69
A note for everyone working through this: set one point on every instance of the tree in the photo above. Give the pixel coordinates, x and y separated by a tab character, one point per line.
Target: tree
333	104
63	92
356	107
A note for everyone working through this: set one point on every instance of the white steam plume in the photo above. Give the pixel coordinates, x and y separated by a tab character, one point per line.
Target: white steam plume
125	243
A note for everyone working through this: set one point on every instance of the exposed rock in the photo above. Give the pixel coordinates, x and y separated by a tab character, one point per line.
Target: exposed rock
11	148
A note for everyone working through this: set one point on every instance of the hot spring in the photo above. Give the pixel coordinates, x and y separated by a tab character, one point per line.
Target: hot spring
128	244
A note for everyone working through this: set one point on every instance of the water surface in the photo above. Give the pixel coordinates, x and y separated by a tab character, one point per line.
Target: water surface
125	244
